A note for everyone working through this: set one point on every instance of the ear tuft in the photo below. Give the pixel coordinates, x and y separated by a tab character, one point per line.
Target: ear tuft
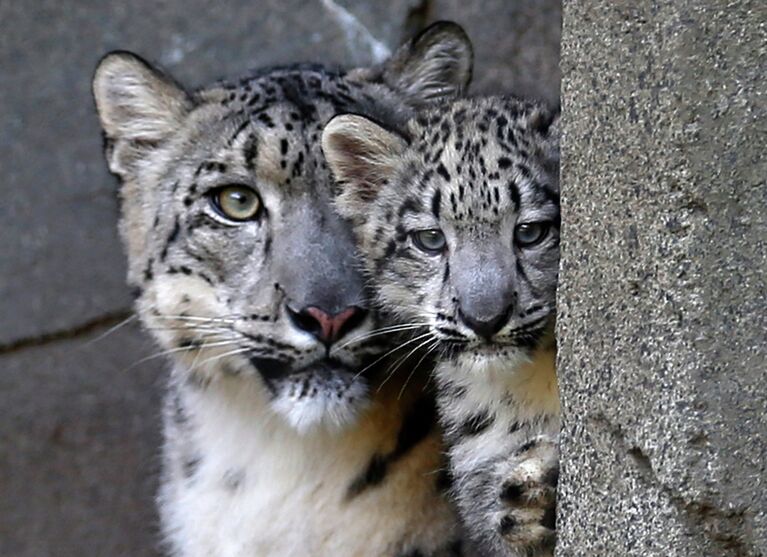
548	126
363	156
435	64
135	101
542	119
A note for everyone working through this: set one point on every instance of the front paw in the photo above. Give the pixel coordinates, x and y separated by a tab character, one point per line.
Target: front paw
527	515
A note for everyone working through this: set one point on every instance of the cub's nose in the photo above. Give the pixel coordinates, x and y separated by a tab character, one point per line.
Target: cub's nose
485	327
326	327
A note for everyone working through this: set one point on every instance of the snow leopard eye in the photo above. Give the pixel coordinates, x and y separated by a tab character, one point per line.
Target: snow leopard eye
530	233
431	241
237	203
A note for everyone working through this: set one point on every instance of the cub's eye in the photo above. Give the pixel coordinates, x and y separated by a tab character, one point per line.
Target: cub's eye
431	241
239	203
530	233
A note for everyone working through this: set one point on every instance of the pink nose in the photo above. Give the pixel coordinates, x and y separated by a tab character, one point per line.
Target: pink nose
326	327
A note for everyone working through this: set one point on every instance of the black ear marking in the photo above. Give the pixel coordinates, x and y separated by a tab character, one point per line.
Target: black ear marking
544	121
436	63
540	121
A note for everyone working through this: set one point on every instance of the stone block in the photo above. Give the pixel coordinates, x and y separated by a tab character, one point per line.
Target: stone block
662	325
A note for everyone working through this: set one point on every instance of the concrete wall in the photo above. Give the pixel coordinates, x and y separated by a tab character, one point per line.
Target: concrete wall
663	285
79	413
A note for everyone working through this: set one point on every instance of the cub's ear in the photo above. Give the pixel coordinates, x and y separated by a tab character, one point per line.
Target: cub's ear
435	64
545	121
136	103
547	124
554	129
363	156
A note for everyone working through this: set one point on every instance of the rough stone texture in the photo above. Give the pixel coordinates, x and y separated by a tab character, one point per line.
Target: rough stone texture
78	428
662	327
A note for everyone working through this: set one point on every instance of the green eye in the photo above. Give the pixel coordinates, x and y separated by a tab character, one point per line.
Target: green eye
239	203
431	241
530	233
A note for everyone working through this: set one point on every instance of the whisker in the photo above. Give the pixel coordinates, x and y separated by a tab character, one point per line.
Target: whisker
229	340
414	339
111	330
425	355
193	328
179	349
410	376
211	319
418	309
385	330
396	365
224	355
197	355
402	360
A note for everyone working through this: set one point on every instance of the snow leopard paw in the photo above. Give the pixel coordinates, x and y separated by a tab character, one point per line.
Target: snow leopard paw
527	496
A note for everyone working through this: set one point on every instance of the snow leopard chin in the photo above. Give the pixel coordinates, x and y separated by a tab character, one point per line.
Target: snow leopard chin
492	359
324	396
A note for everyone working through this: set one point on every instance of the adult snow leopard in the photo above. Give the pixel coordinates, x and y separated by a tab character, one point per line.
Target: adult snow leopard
279	437
457	217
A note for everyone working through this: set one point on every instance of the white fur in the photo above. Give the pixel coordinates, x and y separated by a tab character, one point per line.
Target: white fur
323	411
292	497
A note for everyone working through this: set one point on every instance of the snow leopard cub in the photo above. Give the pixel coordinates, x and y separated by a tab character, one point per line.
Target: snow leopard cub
457	217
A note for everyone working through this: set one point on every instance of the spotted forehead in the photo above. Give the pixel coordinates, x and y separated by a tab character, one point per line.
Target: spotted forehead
271	121
477	162
304	86
288	106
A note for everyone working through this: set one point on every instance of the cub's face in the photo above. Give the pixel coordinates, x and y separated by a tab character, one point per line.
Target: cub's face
243	267
457	218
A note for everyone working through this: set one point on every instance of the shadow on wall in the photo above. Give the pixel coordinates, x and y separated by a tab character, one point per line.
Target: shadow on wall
80	411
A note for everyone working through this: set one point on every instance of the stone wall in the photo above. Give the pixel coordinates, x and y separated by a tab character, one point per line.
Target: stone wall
663	285
79	410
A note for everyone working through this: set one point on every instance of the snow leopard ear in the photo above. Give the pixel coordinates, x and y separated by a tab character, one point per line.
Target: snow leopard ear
547	123
138	105
363	156
435	64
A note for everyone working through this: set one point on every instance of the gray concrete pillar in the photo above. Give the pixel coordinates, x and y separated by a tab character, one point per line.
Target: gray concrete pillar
663	294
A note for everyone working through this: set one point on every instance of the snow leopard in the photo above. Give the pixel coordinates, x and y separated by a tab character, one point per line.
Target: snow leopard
457	218
280	437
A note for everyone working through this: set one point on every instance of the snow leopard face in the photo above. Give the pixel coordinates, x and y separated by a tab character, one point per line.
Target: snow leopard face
457	216
241	264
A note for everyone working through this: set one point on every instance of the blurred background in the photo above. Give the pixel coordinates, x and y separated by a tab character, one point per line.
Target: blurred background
79	410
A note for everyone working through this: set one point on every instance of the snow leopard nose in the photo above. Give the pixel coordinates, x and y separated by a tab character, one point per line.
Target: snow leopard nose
486	327
326	327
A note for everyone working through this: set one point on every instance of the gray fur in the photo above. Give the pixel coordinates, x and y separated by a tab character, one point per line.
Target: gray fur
475	169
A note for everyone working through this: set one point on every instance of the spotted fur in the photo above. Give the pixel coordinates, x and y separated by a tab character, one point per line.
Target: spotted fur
280	438
470	179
